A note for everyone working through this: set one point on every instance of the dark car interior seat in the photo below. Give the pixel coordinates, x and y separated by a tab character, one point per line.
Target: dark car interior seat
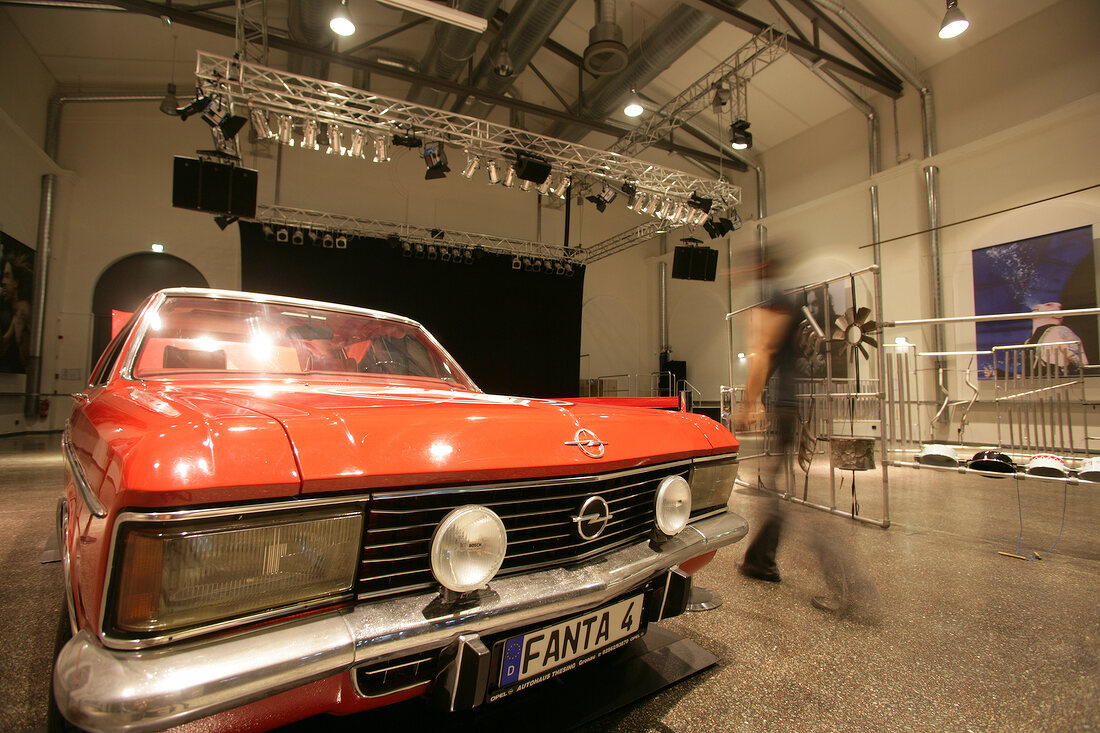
177	358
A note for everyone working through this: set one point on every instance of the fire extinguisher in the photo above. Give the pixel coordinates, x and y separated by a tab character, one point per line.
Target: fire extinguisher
43	408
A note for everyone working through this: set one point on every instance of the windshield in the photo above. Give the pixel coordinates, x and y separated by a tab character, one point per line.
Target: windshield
191	335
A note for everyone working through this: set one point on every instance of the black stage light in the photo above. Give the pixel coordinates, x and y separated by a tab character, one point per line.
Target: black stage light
269	232
697	202
406	141
314	238
532	168
606	196
328	241
224	221
435	158
282	235
341	242
444	254
740	137
418	250
298	237
516	263
432	252
406	249
197	105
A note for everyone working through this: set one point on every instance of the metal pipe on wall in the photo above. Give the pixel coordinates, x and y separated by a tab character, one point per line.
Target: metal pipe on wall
662	299
33	388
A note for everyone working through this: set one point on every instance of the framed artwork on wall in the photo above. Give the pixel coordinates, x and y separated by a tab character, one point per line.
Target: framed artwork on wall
1046	273
16	289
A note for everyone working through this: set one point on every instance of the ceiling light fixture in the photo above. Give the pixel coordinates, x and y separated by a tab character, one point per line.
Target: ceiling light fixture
740	137
509	177
493	171
169	105
502	62
954	22
341	23
633	106
469	21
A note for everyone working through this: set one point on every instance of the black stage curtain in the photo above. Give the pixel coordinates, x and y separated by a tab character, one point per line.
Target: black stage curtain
513	331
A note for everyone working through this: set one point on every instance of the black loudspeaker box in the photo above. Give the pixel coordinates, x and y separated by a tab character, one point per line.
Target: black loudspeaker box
695	263
532	169
217	188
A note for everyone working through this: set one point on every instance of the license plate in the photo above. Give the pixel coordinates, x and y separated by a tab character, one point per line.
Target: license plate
553	647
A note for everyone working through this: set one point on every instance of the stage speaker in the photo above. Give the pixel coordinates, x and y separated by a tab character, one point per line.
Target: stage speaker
532	169
695	263
217	188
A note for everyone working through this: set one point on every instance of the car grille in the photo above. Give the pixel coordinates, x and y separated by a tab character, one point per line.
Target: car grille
536	515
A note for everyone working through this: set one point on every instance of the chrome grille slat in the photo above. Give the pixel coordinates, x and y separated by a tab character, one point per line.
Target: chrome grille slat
537	516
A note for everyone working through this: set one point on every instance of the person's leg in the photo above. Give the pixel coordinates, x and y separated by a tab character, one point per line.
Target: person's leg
759	559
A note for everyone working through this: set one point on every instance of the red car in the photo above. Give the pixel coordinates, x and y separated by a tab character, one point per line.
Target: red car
277	508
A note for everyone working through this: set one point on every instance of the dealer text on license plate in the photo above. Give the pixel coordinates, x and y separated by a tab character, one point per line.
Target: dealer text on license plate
544	649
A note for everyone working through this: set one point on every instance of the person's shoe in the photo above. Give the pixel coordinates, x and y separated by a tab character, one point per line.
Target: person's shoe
769	574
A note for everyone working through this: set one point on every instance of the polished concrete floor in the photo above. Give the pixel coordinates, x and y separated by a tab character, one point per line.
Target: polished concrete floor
947	634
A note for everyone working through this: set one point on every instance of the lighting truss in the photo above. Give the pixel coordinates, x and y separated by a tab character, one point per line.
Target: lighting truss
304	98
625	240
757	54
252	30
293	218
282	218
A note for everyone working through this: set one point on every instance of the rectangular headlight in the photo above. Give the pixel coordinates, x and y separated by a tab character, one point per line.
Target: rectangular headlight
711	482
181	574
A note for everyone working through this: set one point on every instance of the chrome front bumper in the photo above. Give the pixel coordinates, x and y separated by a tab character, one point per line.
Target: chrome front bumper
104	689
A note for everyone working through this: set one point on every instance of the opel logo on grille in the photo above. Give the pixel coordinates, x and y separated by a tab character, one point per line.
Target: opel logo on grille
587	441
592	519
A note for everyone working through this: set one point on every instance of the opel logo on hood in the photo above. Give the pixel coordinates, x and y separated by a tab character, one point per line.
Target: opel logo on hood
592	519
587	441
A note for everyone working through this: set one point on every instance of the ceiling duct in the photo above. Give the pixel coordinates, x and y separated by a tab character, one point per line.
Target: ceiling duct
606	53
524	32
450	49
669	39
307	22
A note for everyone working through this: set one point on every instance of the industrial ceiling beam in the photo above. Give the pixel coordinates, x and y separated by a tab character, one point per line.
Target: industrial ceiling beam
280	43
886	82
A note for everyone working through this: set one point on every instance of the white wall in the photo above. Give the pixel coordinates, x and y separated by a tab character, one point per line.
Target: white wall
1017	120
23	98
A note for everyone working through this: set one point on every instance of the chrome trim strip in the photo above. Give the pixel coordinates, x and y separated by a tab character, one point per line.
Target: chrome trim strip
102	689
63	549
552	481
95	506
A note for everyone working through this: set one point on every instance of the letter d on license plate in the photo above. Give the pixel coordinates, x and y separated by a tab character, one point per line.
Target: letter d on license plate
542	650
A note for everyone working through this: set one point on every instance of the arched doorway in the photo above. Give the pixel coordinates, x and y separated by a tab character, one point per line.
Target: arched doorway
127	282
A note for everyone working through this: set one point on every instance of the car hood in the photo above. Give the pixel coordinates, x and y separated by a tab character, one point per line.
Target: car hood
347	437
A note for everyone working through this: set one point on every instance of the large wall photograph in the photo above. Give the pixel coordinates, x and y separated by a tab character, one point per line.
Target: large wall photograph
16	287
1046	273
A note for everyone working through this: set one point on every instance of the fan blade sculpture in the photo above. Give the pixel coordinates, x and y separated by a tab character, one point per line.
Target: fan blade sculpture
855	330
